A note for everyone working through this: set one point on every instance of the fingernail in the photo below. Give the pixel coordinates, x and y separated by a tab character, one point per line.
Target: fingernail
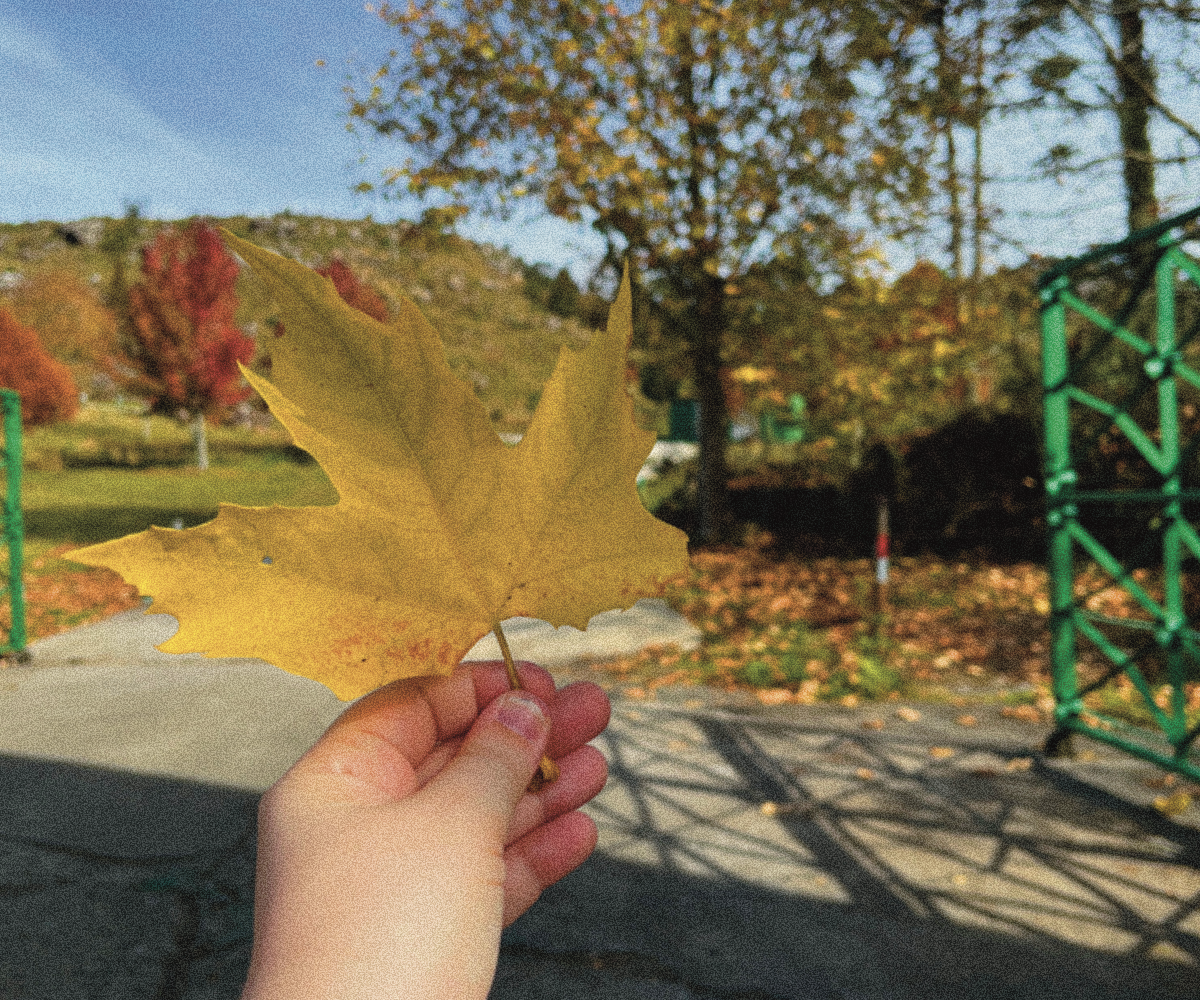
522	715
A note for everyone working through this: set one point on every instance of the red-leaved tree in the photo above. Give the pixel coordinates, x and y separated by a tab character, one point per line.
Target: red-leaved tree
182	342
47	391
352	291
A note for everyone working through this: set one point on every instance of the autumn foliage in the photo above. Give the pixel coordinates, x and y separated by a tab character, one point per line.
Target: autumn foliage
352	291
183	344
46	388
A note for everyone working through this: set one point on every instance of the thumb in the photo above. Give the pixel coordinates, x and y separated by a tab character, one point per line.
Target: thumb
496	761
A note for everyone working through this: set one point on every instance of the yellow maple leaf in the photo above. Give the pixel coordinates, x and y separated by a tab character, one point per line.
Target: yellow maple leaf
441	530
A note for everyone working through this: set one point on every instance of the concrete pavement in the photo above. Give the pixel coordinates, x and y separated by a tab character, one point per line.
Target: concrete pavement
745	851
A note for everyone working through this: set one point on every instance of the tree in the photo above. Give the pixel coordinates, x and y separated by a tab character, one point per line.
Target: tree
351	290
878	362
354	292
183	344
47	392
1128	91
563	297
120	241
969	66
946	97
873	362
694	131
70	321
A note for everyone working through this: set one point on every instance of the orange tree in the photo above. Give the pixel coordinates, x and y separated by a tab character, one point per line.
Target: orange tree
354	292
350	288
695	132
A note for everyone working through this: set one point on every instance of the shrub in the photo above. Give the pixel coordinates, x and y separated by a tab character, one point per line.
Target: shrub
47	391
974	485
562	299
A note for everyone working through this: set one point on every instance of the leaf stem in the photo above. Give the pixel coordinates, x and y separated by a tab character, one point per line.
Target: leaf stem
514	681
547	771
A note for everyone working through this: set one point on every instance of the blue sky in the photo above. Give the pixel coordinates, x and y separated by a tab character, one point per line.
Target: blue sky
218	107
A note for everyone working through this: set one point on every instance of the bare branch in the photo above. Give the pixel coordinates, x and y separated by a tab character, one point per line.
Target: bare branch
1147	90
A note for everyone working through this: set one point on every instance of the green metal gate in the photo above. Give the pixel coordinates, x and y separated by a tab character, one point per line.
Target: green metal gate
1120	341
12	588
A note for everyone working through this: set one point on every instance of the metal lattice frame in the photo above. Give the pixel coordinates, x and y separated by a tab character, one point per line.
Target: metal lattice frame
1150	300
12	587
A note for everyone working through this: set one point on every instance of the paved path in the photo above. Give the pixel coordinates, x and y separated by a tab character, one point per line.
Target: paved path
745	851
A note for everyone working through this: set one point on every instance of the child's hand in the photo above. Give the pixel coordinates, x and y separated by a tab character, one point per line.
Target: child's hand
393	853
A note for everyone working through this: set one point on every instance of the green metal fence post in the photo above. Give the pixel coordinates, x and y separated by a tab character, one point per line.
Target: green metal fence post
1168	422
1060	508
1163	362
14	528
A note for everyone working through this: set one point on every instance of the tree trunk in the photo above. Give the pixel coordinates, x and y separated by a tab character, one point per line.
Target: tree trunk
978	222
947	81
705	296
200	436
716	523
981	381
1135	76
956	212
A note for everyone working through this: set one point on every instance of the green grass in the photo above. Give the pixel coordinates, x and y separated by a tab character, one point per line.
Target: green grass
94	492
112	435
94	505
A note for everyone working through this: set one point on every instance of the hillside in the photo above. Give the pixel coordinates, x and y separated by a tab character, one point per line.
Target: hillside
487	305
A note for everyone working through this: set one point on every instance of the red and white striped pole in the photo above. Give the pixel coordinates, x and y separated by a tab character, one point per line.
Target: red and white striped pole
879	589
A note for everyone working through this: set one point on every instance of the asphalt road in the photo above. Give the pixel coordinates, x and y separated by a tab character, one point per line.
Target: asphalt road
746	851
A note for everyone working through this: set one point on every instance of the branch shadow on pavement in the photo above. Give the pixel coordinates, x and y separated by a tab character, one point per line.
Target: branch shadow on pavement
742	856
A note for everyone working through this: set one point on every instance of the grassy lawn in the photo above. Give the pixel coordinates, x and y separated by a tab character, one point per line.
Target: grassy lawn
112	472
93	505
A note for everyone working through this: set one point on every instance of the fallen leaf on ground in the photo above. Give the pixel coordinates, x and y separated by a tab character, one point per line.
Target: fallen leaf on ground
1026	713
1173	805
780	809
